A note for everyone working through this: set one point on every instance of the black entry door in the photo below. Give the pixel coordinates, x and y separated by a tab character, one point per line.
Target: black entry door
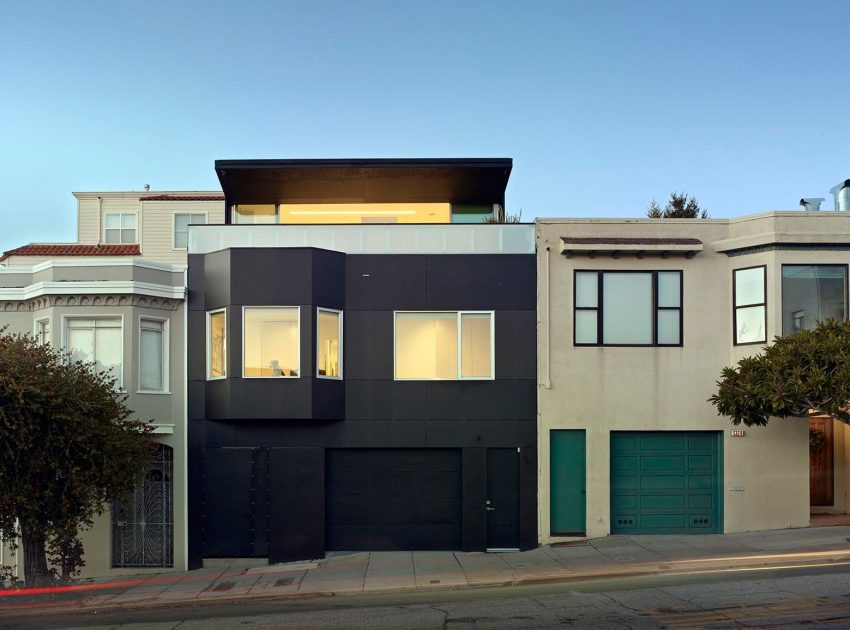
502	498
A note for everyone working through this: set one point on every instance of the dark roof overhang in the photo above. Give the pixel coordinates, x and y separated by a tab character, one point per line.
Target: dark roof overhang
452	180
641	246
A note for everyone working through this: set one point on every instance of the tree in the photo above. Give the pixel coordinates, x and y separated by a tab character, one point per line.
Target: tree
67	447
680	206
808	371
507	218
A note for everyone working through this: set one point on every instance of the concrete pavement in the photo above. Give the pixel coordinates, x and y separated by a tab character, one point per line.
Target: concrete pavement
374	572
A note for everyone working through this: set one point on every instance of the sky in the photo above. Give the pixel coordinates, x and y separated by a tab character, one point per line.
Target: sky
602	105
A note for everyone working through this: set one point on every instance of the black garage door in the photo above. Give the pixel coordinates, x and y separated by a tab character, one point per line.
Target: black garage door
387	499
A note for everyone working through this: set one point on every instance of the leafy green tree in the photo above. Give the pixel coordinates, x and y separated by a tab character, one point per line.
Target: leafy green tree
806	371
68	448
680	206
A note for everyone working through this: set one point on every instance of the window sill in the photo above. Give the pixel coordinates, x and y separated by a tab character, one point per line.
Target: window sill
328	378
444	380
217	378
152	391
270	378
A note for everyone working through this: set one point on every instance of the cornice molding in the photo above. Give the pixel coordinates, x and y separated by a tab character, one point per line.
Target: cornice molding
87	300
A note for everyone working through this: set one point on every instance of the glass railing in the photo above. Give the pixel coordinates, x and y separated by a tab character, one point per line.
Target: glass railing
369	239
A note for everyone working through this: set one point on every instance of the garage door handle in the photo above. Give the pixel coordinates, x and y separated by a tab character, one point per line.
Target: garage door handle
489	509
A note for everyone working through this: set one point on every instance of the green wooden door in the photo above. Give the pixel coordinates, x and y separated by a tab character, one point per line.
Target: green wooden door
666	482
567	480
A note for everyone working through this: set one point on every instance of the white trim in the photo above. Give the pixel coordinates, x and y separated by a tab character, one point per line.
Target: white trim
93	287
209	315
173	226
166	355
163	429
319	309
92	261
184	390
64	339
460	376
298	310
138	194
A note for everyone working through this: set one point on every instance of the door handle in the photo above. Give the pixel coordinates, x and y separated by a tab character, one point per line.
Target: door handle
489	509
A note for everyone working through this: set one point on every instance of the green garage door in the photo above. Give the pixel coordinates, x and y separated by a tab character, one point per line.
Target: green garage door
666	482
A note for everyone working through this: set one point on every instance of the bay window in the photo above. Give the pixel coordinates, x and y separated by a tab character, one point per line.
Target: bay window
216	344
97	340
329	344
271	346
153	351
750	312
627	308
444	345
812	293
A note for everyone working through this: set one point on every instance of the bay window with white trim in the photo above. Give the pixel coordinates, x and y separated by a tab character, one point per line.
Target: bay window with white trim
271	344
153	355
97	340
444	345
329	343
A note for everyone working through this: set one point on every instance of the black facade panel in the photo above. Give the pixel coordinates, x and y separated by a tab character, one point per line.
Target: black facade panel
474	499
196	437
217	275
196	340
217	399
296	504
368	339
229	517
328	399
495	282
269	398
393	499
385	283
220	435
195	395
328	279
528	498
289	433
271	276
385	433
516	344
482	400
386	400
195	280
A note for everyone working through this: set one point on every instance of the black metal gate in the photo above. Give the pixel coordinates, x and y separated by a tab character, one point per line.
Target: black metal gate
143	525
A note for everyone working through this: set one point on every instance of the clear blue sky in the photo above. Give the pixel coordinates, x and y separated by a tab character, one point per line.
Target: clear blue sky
602	105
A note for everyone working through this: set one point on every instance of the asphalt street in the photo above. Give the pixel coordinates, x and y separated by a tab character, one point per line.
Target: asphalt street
796	598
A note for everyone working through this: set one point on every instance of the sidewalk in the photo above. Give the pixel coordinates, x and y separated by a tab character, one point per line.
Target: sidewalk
370	572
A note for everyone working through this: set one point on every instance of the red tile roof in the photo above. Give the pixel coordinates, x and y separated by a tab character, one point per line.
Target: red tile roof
183	198
72	249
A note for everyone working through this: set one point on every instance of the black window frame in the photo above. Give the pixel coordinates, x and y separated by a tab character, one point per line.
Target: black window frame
600	308
736	306
817	264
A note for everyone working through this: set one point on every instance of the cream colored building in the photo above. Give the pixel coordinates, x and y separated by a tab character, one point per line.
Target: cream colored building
637	318
117	297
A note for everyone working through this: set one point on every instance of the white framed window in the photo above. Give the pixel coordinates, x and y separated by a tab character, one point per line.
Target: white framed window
98	340
153	355
216	344
749	313
328	343
182	221
271	344
119	228
444	345
42	330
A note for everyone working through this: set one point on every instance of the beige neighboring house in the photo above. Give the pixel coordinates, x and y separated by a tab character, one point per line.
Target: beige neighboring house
117	297
637	319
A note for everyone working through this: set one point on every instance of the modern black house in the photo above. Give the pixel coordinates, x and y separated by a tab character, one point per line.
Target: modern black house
361	361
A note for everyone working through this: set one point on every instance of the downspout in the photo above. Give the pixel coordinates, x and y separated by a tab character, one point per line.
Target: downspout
185	383
547	383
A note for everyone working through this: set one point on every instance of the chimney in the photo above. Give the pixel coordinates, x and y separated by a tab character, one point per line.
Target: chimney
841	192
811	203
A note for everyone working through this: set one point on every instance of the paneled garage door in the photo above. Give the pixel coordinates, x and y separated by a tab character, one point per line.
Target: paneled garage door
665	482
386	499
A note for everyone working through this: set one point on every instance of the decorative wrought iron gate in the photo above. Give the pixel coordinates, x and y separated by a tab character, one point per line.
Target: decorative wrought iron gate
143	525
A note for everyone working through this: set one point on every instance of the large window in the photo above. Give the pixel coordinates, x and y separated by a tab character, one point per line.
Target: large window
119	228
624	308
217	344
329	339
812	293
99	341
748	288
444	346
254	213
181	227
153	355
270	342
